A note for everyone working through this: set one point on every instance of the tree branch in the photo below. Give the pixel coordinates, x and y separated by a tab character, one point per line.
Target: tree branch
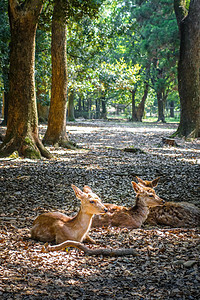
88	251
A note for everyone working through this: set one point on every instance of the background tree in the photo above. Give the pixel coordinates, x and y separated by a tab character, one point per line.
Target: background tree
189	67
56	130
22	127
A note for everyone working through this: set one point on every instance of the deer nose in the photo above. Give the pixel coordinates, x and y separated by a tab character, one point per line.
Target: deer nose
105	209
163	201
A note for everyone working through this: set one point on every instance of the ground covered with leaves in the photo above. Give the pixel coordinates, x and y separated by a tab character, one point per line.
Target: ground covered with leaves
167	262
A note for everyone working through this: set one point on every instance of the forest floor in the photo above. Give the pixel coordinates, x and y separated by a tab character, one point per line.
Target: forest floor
167	265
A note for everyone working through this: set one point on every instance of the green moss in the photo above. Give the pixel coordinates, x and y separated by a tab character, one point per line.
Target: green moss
32	153
15	154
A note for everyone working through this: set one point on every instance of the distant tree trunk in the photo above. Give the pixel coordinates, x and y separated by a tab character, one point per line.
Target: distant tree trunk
134	114
161	116
22	126
188	68
71	106
56	130
104	110
171	109
97	108
140	108
79	104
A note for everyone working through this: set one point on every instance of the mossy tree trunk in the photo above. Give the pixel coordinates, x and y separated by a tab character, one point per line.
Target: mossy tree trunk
22	125
56	132
188	68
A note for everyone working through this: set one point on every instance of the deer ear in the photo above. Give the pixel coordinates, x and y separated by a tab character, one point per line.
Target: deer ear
87	189
155	182
136	187
77	191
140	180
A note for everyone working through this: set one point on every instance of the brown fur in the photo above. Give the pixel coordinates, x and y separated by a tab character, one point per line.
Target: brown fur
133	217
55	226
182	214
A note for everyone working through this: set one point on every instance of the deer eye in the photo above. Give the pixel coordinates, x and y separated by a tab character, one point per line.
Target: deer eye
150	195
92	201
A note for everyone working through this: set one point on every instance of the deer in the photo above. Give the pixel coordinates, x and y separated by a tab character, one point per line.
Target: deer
173	214
57	227
133	217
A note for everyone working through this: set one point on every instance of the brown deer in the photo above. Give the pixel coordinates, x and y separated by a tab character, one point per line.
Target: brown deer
57	227
133	217
173	214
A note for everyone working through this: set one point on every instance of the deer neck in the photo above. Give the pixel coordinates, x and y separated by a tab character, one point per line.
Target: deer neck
82	222
140	208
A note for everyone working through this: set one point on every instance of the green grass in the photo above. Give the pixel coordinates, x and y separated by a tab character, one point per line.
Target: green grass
167	119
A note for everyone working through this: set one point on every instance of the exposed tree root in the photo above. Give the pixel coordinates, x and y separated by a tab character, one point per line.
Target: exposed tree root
28	146
62	142
88	251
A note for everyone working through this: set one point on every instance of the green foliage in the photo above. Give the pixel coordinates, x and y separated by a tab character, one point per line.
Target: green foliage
130	43
43	66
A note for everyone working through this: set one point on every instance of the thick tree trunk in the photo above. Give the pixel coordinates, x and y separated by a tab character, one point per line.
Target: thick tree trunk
22	126
56	131
71	106
188	70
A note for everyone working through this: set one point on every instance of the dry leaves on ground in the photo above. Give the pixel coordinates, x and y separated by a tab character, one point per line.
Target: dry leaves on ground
167	265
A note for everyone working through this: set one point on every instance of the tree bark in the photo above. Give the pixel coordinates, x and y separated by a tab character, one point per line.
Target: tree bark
22	126
56	131
188	69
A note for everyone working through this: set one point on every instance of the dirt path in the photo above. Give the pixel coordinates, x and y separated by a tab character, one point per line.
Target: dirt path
167	265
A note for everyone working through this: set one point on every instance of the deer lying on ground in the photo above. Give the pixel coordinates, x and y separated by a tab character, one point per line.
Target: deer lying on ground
133	217
181	214
175	214
57	227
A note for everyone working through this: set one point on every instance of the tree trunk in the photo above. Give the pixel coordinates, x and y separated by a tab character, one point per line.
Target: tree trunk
188	69
140	108
22	126
104	111
134	114
71	106
97	108
161	116
56	130
171	109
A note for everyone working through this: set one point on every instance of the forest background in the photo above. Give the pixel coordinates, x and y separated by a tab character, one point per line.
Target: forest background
122	59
